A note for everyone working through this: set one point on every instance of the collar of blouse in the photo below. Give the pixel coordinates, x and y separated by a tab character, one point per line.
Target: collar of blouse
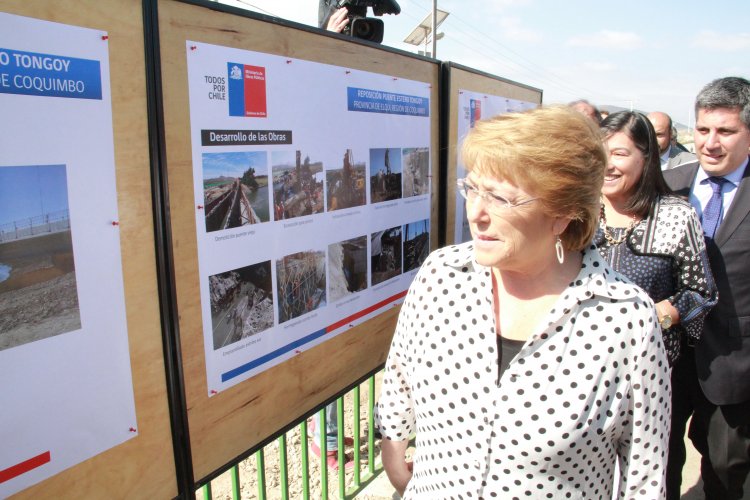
595	279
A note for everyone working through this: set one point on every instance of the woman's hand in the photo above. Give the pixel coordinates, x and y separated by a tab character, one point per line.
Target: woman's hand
338	20
398	470
665	307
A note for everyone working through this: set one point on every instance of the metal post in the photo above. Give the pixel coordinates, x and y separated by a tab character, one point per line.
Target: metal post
340	441
371	426
357	479
283	468
236	490
323	455
305	465
260	466
434	29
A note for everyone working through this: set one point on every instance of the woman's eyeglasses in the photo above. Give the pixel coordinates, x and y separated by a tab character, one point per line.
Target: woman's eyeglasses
495	203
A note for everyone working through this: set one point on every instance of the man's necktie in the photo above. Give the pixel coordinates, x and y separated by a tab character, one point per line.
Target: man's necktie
712	212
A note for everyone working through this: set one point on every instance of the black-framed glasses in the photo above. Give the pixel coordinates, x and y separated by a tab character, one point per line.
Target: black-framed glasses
495	203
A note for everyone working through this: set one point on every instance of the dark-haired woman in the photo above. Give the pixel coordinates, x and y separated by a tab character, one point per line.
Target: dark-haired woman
651	236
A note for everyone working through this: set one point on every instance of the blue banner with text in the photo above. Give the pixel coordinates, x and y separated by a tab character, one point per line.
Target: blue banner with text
377	101
47	75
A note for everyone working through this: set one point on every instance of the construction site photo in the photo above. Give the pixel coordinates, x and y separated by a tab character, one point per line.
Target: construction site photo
38	286
241	303
301	283
385	174
297	185
235	189
347	267
385	256
346	185
416	244
416	164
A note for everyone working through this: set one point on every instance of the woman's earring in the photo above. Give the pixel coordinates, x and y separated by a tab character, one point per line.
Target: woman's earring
560	251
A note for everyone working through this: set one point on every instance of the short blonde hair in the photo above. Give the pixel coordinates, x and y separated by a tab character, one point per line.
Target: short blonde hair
555	154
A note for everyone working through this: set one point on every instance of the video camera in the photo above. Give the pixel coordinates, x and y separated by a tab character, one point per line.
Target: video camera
363	27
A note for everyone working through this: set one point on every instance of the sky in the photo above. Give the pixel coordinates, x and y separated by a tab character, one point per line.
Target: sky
416	228
377	160
234	164
644	54
32	191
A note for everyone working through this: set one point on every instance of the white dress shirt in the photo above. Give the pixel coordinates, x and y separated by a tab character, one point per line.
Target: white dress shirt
664	159
702	191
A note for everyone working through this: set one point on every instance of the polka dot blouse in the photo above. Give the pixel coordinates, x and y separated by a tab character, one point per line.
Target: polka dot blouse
588	390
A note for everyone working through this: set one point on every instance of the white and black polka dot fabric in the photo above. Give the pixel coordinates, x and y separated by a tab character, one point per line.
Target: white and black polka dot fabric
590	389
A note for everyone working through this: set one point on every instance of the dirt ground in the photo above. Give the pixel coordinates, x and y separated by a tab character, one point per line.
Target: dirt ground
39	311
39	298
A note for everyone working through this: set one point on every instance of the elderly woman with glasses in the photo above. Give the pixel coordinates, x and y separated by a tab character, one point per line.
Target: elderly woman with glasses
523	364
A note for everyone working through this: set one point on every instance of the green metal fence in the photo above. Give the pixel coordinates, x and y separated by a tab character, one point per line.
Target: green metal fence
284	469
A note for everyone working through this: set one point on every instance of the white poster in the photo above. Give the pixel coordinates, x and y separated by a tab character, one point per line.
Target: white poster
312	194
64	364
472	107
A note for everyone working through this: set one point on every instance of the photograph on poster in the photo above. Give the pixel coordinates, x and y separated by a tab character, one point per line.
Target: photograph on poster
241	303
416	168
345	184
38	288
416	244
385	174
297	185
385	255
235	189
301	283
347	267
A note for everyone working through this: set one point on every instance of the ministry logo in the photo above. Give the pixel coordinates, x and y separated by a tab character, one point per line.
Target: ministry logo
247	90
235	73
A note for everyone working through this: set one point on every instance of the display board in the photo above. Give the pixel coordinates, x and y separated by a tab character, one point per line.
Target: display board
473	96
80	343
302	190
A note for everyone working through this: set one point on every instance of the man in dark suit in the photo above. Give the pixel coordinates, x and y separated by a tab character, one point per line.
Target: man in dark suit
712	378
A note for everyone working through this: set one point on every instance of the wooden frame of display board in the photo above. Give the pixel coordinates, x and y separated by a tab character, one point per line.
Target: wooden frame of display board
144	465
455	81
231	423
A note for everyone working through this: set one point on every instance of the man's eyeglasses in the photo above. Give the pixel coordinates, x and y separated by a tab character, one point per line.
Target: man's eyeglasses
495	203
